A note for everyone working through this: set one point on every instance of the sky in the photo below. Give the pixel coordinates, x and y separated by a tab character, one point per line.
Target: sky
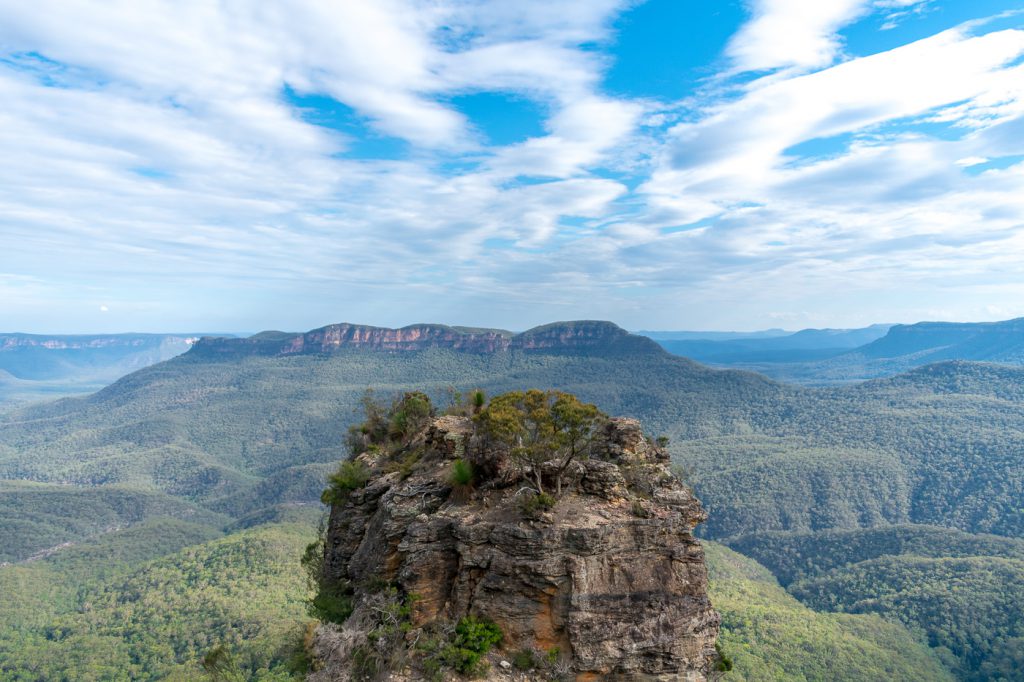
191	165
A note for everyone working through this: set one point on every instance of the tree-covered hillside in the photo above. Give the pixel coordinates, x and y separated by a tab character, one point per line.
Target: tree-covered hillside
969	607
962	590
131	617
794	556
769	635
36	517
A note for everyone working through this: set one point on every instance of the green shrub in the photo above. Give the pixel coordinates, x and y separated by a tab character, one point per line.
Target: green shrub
723	663
406	464
479	399
472	640
297	651
366	664
533	506
461	474
409	416
524	659
352	474
385	641
220	665
331	604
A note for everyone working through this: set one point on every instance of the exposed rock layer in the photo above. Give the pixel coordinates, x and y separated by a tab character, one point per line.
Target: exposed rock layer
612	577
562	335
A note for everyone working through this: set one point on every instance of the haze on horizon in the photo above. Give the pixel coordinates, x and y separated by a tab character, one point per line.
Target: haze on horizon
662	164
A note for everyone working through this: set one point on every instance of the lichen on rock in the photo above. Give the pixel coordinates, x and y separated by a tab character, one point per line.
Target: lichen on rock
609	583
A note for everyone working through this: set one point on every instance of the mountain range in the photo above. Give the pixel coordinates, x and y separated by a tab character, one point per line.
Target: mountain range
237	435
836	356
37	367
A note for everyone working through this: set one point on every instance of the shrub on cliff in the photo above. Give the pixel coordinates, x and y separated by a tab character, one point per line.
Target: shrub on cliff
330	602
390	427
351	475
532	506
472	640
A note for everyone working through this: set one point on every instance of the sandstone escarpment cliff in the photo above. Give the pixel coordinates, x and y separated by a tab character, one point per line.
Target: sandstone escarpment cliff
570	336
604	582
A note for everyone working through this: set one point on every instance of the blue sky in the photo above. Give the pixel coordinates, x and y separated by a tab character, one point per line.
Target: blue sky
670	164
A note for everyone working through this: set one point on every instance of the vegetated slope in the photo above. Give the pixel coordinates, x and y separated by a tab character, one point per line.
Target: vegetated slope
793	556
962	590
156	619
970	606
34	367
33	593
35	518
769	635
942	445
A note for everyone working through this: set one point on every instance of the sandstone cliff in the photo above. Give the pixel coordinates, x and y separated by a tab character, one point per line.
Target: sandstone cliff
576	336
608	584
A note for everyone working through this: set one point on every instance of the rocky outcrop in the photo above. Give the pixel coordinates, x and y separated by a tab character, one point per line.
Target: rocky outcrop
608	584
574	336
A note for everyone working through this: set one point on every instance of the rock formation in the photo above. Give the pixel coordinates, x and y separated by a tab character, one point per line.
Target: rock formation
608	584
574	336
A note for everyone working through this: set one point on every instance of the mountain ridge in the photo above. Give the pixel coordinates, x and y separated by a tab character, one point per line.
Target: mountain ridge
816	357
578	334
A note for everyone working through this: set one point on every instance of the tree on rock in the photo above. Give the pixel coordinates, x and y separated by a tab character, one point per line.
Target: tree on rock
539	427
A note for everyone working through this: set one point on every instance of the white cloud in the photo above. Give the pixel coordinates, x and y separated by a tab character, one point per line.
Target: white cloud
381	57
792	33
803	34
736	154
582	132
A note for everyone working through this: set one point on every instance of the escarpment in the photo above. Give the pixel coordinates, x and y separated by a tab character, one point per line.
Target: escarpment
578	337
446	540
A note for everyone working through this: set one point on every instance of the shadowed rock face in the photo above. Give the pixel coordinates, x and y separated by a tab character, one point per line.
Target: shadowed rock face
612	576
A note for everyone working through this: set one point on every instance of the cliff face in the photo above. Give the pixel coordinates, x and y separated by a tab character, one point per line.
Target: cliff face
608	584
574	336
